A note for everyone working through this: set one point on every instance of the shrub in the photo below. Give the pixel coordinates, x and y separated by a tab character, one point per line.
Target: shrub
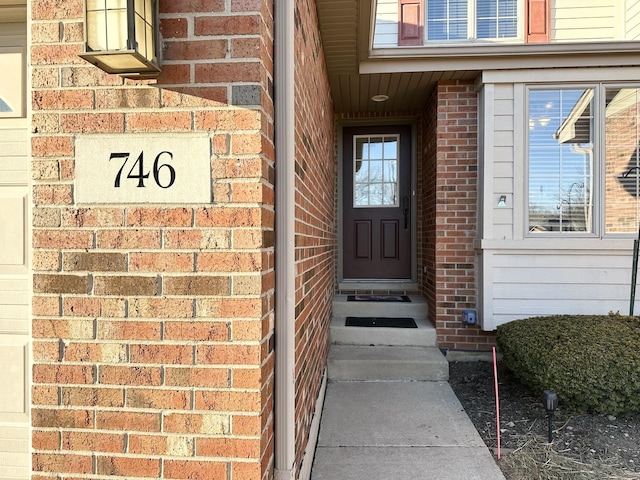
592	362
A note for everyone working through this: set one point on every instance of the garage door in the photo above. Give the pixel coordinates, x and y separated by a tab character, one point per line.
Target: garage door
14	278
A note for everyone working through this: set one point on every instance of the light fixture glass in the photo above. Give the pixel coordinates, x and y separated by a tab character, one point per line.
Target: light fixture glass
380	98
122	37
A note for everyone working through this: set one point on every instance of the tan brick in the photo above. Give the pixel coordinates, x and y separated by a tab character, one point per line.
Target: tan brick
92	397
45	440
94	441
62	462
46	217
227	401
158	122
73	32
52	194
94	262
161	217
228	447
44	306
148	444
93	307
160	354
195	469
228	72
45	170
70	374
46	351
229	308
45	123
61	284
95	352
195	49
62	239
196	285
161	308
44	394
128	421
126	98
236	217
126	285
86	75
62	99
247	285
203	331
229	120
128	239
206	377
128	466
206	424
197	239
92	122
45	77
191	97
47	260
158	399
161	262
59	328
61	418
93	217
129	330
129	375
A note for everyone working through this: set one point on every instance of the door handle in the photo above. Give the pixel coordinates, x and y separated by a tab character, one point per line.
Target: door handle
405	211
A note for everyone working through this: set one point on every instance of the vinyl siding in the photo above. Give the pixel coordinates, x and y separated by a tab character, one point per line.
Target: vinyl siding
386	28
632	20
522	276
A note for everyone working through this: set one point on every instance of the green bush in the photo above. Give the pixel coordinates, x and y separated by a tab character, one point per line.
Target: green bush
591	362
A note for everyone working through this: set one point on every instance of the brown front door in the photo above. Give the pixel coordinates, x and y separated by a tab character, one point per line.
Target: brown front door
377	202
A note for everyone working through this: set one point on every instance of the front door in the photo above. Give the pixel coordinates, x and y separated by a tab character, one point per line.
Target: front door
377	202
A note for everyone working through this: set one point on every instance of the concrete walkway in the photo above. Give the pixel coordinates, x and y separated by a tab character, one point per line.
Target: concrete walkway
397	431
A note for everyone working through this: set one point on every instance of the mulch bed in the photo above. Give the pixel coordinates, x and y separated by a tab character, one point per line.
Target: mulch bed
593	447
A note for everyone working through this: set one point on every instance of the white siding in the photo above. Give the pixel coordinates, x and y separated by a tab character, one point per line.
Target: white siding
386	27
585	20
632	20
523	276
537	283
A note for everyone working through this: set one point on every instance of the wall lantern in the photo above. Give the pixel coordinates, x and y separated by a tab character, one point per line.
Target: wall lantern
122	37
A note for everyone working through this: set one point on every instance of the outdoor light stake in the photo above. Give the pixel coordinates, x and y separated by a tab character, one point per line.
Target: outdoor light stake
550	401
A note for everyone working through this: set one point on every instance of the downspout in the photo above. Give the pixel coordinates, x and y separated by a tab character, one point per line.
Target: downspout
284	428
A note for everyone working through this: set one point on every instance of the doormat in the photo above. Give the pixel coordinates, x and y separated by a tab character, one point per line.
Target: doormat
392	322
378	298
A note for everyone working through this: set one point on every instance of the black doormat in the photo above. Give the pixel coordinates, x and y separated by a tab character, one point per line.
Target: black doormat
393	322
378	298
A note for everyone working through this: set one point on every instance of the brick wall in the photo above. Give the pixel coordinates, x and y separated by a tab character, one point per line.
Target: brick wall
315	221
449	190
153	326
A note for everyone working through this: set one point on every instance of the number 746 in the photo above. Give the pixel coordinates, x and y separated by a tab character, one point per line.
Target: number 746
137	170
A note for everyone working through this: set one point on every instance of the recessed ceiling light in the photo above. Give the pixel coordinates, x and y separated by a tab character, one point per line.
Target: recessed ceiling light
380	98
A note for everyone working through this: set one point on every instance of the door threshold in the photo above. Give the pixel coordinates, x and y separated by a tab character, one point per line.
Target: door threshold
378	285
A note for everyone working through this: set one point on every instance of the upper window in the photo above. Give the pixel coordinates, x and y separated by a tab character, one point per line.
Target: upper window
582	141
469	19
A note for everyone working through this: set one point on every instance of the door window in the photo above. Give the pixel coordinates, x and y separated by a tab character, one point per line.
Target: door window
375	174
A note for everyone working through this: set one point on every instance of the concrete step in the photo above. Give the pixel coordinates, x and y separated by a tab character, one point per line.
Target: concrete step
424	335
417	308
386	363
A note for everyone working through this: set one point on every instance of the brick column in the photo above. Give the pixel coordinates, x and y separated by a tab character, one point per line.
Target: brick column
153	325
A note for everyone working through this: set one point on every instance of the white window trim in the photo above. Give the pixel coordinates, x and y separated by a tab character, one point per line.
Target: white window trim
471	28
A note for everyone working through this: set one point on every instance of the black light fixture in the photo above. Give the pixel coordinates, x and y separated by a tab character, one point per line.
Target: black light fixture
122	37
550	402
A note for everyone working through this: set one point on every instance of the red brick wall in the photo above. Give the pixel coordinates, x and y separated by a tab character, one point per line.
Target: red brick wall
315	222
153	325
449	185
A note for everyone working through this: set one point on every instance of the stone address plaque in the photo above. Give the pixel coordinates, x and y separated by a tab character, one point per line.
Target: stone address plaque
130	168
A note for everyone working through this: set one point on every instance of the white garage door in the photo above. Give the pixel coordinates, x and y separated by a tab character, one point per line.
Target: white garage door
15	337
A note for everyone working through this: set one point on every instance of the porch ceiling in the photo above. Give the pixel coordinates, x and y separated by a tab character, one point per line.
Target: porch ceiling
345	26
